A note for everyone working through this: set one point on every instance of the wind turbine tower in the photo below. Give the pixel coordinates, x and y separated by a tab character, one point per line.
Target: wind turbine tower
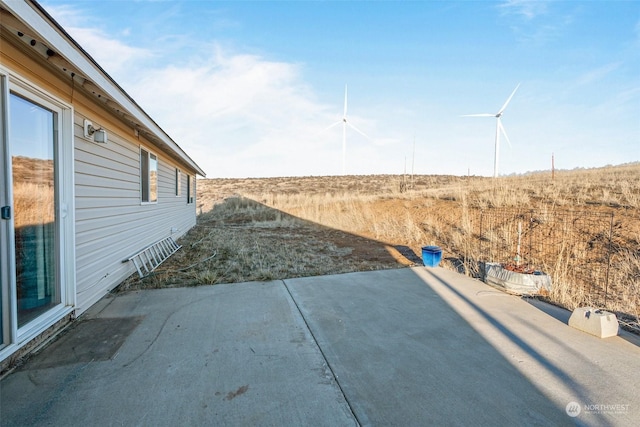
499	129
345	123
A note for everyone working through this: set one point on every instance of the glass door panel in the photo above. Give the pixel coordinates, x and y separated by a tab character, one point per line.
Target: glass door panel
32	139
4	223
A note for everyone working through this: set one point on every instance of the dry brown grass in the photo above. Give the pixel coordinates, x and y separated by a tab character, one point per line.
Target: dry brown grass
441	210
241	240
262	229
33	204
33	191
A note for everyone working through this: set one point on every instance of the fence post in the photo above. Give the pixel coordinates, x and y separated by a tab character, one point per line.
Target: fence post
530	231
609	249
481	247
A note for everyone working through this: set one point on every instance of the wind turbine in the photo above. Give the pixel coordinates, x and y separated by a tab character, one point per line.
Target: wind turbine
345	123
499	128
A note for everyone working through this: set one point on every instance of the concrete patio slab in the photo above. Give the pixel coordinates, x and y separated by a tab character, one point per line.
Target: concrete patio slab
403	356
419	346
214	355
569	366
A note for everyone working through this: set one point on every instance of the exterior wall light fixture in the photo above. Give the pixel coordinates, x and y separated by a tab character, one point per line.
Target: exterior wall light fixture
98	135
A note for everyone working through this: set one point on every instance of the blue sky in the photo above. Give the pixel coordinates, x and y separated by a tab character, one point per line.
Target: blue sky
249	88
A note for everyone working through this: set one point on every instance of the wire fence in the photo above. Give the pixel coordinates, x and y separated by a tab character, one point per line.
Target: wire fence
586	253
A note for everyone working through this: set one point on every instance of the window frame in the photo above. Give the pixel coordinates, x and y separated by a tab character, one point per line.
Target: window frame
191	189
178	182
146	189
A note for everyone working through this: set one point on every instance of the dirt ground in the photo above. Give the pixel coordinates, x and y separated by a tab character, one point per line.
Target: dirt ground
240	240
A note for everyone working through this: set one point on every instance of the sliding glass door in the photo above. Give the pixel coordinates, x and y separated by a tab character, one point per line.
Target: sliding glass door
32	138
36	230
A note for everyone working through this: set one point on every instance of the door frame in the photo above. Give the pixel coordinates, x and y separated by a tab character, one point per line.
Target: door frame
12	337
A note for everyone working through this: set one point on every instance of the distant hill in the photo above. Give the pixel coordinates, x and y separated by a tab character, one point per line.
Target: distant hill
33	171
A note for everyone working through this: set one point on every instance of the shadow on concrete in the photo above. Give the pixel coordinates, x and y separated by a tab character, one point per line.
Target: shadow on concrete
548	365
409	254
563	315
554	311
403	356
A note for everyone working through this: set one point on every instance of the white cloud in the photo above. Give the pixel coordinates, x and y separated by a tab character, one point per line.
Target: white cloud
239	107
532	21
595	75
236	114
240	114
113	55
65	15
528	9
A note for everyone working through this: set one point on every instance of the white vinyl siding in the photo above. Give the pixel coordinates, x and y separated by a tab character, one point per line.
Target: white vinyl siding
111	224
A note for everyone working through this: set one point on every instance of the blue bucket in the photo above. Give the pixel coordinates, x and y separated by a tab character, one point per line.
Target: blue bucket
431	255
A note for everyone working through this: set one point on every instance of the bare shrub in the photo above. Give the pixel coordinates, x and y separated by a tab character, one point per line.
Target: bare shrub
625	288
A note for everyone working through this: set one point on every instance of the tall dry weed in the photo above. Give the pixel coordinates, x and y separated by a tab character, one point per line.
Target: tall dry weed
444	211
33	204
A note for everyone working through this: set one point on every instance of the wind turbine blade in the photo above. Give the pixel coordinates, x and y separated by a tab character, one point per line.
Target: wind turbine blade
504	132
508	100
358	130
345	101
330	126
479	115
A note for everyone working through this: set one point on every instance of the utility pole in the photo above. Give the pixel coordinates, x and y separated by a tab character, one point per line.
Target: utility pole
403	183
413	159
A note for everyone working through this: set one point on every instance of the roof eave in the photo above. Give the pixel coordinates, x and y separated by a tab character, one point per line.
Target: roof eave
34	16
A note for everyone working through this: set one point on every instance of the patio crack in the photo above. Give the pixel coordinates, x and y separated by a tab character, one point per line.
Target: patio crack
324	357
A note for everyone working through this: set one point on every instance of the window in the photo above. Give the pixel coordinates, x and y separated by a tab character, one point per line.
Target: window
191	188
178	178
148	176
